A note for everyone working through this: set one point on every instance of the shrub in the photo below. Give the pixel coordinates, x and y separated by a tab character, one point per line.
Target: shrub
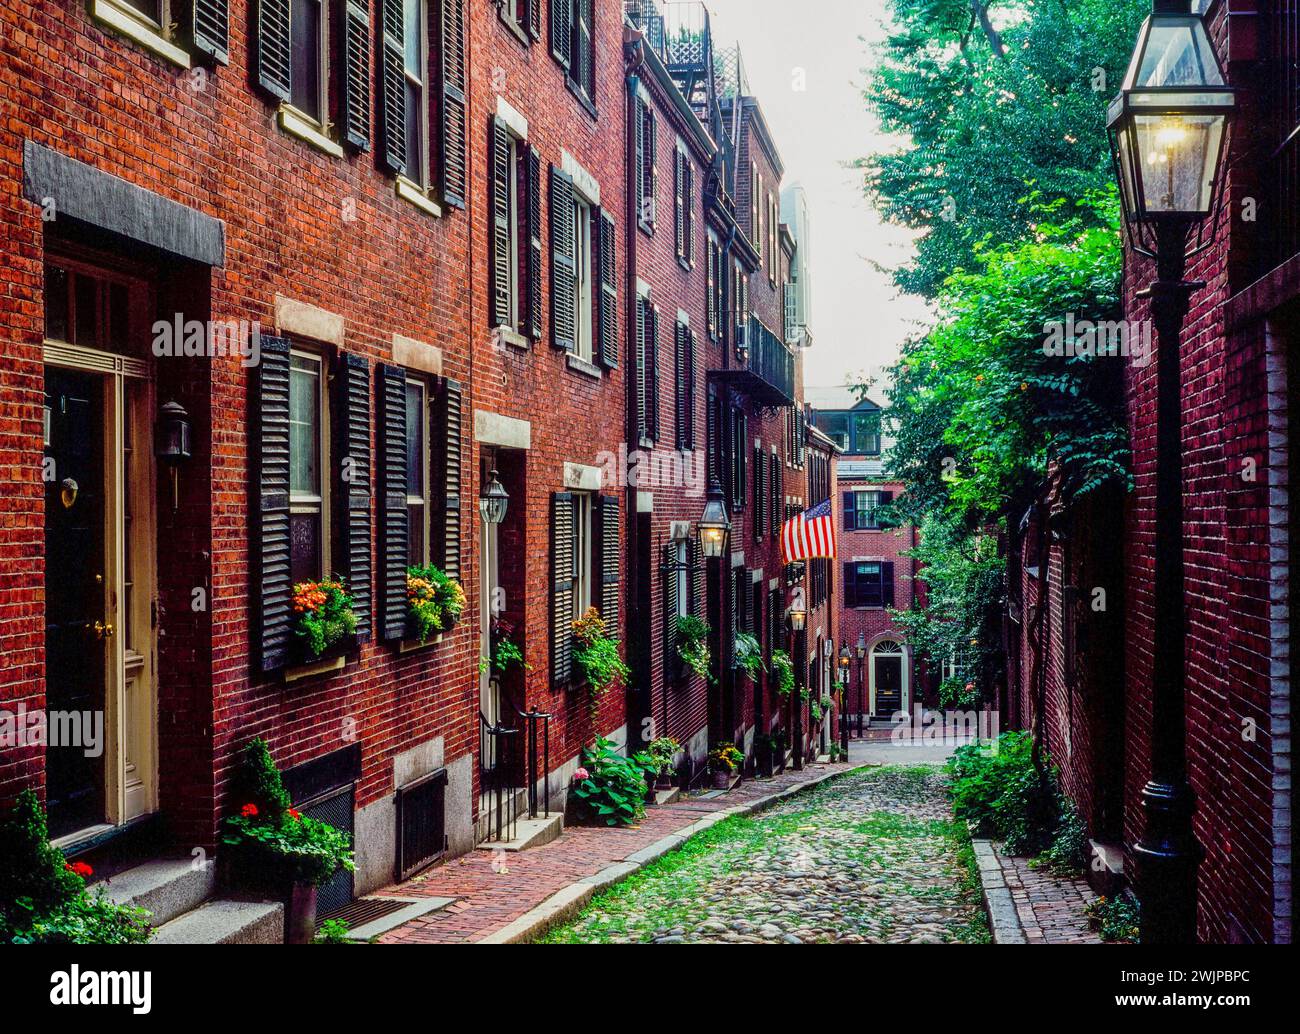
783	669
958	694
693	645
663	753
434	601
597	654
1116	919
332	931
609	787
324	616
748	655
999	792
1069	850
43	899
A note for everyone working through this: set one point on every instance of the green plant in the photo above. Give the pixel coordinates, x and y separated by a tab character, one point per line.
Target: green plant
997	789
816	711
609	788
332	931
1116	919
958	694
693	645
323	616
748	655
726	757
272	843
435	602
597	654
838	753
663	753
783	669
43	899
1069	851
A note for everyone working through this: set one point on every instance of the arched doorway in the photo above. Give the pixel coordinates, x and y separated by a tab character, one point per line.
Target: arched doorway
889	681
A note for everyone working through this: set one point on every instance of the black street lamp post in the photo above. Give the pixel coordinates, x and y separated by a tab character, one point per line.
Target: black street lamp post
1167	128
861	651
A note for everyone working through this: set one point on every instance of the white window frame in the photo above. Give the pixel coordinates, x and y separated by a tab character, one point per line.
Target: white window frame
420	78
138	26
583	269
300	502
423	500
682	557
321	123
516	230
581	575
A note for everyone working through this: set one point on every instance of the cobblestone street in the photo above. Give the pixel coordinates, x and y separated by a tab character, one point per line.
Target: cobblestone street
873	857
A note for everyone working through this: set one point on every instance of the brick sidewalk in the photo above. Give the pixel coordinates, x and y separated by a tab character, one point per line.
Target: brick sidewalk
488	899
1033	906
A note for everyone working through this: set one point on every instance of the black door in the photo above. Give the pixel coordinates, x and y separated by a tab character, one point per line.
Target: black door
889	685
74	593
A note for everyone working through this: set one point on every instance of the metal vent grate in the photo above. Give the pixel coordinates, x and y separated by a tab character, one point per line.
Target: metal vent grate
363	910
421	823
334	808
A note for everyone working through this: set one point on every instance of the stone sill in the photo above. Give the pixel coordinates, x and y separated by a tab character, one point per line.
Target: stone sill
298	126
112	15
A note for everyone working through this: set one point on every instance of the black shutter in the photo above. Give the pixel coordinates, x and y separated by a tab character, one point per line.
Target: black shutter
274	48
392	87
743	610
352	386
393	531
607	303
692	366
535	18
679	205
607	528
502	178
562	31
688	173
271	562
561	589
643	214
210	30
760	493
642	379
652	373
711	430
696	577
887	584
778	495
742	445
581	68
455	158
850	512
679	381
564	314
710	277
850	586
650	169
354	75
533	262
451	420
672	665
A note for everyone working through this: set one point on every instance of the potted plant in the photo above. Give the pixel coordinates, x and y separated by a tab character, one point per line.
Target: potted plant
434	601
272	846
783	670
777	742
609	789
323	617
597	655
693	645
663	752
748	655
725	761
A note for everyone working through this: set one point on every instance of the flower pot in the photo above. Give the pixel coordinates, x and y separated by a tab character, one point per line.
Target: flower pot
666	781
721	780
300	918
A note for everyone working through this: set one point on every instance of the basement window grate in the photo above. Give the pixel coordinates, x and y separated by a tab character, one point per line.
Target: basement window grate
421	823
362	911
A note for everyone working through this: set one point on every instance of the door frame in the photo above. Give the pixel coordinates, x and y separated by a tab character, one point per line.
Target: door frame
125	798
905	687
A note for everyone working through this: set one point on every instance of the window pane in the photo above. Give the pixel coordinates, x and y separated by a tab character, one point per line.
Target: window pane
87	298
412	13
149	8
56	303
305	16
304	426
414	440
415	533
304	547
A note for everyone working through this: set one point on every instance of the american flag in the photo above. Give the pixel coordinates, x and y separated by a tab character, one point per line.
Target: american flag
809	534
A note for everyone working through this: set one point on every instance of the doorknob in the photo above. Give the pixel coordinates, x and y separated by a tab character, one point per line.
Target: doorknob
103	631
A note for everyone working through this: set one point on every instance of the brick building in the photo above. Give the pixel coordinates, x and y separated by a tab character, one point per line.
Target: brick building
373	253
1238	382
876	573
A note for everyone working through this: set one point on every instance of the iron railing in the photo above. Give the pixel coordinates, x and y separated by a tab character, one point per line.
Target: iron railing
498	789
768	358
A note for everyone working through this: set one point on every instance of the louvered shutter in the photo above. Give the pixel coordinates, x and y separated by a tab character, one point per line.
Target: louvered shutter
679	366
274	49
639	132
688	173
354	75
652	373
561	589
679	205
533	263
651	168
535	18
778	495
502	179
850	512
609	552
850	587
455	123
450	418
742	439
696	577
760	493
562	31
352	387
563	262
642	379
392	86
887	584
692	378
580	68
271	561
743	610
672	665
210	30
393	531
607	277
711	431
710	275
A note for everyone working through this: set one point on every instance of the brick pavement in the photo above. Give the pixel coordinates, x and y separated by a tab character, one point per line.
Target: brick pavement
1049	907
493	888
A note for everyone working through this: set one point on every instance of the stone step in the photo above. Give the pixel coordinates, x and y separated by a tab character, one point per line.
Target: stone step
226	921
528	833
166	888
663	797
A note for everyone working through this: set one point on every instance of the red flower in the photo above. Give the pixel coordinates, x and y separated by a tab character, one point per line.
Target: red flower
80	868
248	810
295	814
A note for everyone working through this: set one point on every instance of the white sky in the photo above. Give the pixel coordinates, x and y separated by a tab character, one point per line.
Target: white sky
858	319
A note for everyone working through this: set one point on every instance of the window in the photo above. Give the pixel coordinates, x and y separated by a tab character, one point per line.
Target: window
516	233
772	255
739	451
863	516
869	584
836	427
682	572
309	31
755	190
523	16
581	576
866	434
582	296
415	67
308	435
647	146
684	340
684	224
572	46
153	24
647	369
715	285
418	513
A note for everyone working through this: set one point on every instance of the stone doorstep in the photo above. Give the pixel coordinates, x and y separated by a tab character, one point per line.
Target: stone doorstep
566	903
1106	868
528	833
672	796
165	887
226	921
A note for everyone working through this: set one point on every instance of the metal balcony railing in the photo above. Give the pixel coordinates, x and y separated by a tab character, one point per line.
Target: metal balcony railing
764	364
